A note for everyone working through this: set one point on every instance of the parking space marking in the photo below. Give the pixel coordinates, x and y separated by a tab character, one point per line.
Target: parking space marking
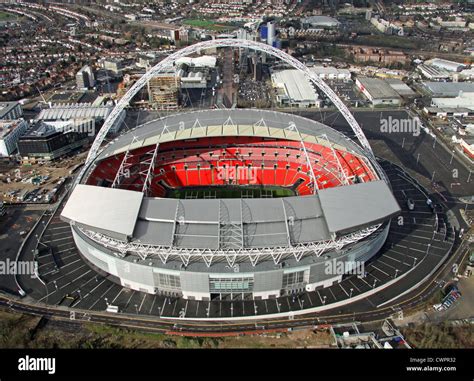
141	304
102	296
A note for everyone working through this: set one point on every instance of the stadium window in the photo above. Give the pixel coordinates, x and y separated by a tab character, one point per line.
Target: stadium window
293	279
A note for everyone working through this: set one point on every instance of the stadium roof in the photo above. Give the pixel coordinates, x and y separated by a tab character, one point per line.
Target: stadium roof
357	205
198	223
111	211
241	122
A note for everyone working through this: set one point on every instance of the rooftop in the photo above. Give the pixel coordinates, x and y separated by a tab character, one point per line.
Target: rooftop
296	85
321	21
74	111
7	126
448	89
6	107
239	122
333	211
378	88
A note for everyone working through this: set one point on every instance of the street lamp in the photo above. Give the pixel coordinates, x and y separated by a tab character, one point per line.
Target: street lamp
351	290
106	301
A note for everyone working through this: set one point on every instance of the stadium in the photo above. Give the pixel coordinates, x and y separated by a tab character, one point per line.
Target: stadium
216	202
230	203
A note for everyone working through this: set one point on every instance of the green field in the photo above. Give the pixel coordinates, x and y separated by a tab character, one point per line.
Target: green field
207	24
229	192
4	16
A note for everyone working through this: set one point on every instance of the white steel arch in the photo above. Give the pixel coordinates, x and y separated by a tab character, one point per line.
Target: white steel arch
221	43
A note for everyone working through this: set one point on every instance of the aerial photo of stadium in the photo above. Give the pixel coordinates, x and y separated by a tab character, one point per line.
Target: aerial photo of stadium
235	215
236	174
215	203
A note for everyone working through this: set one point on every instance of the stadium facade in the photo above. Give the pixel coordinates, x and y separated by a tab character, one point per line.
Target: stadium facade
241	202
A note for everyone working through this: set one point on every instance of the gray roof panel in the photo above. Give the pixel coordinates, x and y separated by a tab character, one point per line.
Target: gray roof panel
113	210
349	207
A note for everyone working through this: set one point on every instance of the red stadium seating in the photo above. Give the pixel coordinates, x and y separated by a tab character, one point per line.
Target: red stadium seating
239	161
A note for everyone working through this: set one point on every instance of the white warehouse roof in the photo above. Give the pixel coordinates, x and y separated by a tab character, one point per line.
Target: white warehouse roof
75	111
296	85
446	64
464	100
203	61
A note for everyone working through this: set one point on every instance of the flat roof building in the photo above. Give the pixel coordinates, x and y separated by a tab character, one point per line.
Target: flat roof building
446	64
10	110
432	72
331	73
400	87
463	100
321	22
294	89
448	89
378	91
43	141
81	111
10	132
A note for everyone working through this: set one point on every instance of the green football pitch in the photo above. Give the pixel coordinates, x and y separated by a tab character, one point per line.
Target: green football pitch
229	192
